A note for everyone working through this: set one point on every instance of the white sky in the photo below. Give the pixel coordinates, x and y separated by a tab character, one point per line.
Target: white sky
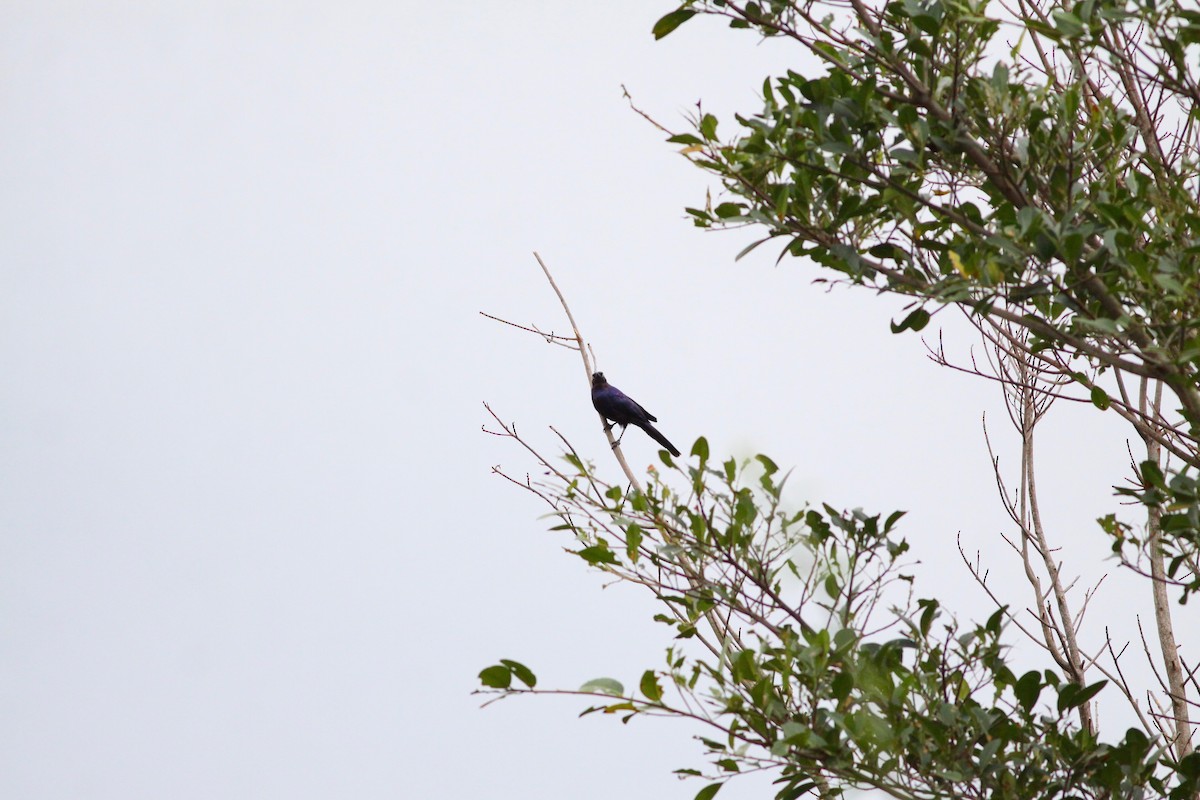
249	542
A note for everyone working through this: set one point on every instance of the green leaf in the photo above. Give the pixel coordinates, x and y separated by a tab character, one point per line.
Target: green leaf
1087	693
841	685
796	789
700	448
1152	474
685	138
1037	26
523	673
496	677
604	686
1189	765
708	792
650	687
1100	398
633	540
597	554
929	613
888	250
750	248
927	23
915	321
743	667
1067	24
670	22
1027	689
708	127
1072	696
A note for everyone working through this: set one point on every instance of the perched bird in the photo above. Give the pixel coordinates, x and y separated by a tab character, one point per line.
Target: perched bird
620	409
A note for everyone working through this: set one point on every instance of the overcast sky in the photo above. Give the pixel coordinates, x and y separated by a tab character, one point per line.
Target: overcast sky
250	545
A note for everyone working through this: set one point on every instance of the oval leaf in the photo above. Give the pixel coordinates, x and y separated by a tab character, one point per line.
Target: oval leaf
670	22
650	687
597	555
915	321
523	673
604	686
496	677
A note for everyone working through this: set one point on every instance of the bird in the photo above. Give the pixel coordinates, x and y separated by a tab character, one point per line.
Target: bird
621	409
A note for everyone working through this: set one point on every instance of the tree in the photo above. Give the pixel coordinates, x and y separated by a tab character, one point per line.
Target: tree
1032	165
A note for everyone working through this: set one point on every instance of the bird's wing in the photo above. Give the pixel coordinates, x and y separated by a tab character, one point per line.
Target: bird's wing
645	413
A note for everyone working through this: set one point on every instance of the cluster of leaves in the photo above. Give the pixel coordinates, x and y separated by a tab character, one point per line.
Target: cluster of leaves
783	649
1176	502
1038	166
921	163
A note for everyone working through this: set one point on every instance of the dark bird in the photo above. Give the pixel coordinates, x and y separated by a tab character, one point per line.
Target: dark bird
621	409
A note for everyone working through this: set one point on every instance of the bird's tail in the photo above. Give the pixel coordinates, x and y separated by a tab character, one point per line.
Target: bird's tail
658	437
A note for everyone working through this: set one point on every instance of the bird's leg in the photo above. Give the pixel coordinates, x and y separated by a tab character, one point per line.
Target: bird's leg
622	436
608	426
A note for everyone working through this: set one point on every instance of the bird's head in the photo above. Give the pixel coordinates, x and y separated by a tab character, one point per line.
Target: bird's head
598	379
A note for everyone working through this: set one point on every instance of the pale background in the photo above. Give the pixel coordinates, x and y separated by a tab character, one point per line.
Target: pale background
249	542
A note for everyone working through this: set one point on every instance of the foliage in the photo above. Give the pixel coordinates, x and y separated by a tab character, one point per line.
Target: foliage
784	650
1035	165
